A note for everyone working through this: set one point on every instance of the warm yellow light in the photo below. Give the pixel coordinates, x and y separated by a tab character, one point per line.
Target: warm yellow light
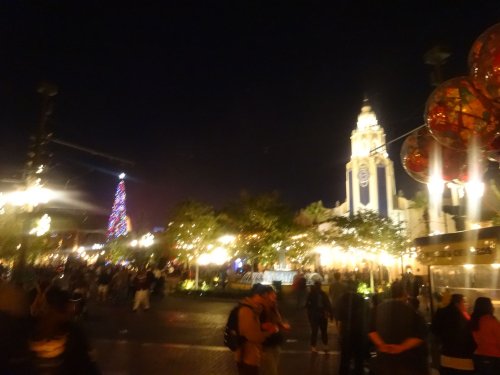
474	189
42	226
227	239
147	240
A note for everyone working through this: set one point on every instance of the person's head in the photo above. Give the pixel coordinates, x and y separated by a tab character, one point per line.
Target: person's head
259	293
482	307
271	296
317	285
57	300
398	290
458	301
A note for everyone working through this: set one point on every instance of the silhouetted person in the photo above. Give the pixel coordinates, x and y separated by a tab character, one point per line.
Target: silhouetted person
451	326
319	310
353	317
399	335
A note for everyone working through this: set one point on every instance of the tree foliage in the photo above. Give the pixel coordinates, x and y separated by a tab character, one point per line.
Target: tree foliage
193	226
263	224
313	214
367	230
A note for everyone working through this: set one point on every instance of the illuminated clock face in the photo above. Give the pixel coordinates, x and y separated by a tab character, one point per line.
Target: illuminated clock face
363	176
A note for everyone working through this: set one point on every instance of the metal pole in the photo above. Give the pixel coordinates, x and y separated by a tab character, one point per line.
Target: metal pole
197	276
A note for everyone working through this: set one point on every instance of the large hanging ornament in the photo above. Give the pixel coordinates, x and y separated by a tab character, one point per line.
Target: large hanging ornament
484	64
456	113
417	158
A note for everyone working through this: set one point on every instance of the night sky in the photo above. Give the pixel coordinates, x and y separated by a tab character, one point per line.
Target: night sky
210	97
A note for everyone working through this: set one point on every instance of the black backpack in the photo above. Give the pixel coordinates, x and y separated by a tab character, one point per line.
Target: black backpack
232	338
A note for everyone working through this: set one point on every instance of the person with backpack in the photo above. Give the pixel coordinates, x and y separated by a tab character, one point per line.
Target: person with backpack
248	353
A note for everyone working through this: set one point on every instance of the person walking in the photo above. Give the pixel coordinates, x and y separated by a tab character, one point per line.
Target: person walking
398	333
269	318
103	282
142	284
249	355
451	326
486	331
337	289
319	310
299	287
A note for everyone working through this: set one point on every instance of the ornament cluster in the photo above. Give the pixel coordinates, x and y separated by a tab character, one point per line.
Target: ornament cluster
461	113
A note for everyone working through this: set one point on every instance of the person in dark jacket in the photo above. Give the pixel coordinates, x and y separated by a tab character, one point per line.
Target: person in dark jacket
451	326
319	310
399	334
353	316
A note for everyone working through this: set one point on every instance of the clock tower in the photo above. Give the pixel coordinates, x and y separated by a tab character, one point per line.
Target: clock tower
370	182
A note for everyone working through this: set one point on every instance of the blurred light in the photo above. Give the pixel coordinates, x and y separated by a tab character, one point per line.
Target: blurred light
474	189
496	265
468	266
386	259
32	196
40	169
42	226
147	240
227	239
97	246
122	176
134	243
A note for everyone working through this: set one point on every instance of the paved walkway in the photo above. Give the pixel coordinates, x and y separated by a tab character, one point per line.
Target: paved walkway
184	336
157	358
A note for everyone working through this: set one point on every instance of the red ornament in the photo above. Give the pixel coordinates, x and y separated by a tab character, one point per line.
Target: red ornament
484	64
416	157
456	113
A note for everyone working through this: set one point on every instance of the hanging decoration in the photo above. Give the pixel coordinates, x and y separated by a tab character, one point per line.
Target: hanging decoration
456	113
484	64
416	156
460	114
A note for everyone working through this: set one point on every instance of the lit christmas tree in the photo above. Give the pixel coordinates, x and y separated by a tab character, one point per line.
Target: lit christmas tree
117	224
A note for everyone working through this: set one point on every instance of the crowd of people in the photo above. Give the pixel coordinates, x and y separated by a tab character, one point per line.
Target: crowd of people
381	335
40	331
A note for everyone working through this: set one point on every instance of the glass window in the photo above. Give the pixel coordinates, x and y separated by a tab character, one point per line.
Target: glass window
470	280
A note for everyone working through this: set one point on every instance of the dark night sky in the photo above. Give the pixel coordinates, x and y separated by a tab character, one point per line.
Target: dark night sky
209	97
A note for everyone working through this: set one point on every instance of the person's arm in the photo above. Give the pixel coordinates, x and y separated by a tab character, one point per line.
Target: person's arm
409	343
249	326
376	339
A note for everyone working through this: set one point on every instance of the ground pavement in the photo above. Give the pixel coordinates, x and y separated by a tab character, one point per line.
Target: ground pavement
183	335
